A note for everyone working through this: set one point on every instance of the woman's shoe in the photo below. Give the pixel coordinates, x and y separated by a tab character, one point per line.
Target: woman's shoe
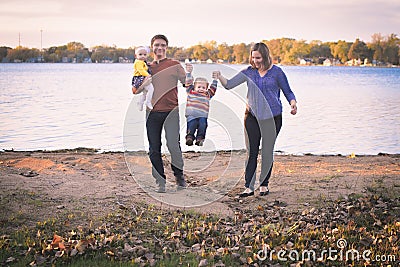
265	191
246	194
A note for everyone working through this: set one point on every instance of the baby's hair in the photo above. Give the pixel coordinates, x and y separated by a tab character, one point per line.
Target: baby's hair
200	79
137	49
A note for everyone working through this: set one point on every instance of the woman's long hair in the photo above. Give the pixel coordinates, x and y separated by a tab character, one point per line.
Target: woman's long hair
265	54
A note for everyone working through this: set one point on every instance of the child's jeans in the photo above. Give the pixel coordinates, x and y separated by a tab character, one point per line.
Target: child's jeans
199	124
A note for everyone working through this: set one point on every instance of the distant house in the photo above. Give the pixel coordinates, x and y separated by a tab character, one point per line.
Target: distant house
31	60
106	60
305	61
124	60
353	62
327	62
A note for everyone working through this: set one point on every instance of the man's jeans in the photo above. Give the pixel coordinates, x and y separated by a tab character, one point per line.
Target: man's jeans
155	122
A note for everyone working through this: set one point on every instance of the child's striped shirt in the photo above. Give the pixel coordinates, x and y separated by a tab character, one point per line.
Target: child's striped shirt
198	104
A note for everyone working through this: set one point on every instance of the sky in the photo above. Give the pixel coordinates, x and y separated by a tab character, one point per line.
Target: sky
130	23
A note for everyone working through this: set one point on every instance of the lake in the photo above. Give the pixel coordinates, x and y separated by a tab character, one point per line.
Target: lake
341	110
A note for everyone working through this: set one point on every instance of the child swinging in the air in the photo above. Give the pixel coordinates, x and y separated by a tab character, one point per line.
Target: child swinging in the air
197	106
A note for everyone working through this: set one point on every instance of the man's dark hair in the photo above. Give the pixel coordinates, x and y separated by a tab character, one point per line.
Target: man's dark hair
159	36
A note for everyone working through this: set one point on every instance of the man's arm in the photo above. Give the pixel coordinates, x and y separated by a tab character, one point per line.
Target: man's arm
188	82
181	72
188	77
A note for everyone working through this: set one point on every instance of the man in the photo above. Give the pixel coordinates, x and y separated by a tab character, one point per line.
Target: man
165	114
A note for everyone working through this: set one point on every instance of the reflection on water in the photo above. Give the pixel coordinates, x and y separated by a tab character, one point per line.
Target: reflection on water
341	110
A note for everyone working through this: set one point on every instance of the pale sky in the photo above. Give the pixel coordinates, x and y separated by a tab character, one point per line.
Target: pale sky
129	23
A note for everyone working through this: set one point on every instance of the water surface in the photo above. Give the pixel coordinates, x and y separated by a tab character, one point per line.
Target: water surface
341	110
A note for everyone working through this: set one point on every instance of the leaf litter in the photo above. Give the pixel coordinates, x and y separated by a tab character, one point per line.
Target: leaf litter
151	235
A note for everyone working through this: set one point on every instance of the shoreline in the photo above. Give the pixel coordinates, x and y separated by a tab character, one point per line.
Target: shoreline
141	152
67	175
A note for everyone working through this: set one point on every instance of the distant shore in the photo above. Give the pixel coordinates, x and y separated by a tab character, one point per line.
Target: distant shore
222	63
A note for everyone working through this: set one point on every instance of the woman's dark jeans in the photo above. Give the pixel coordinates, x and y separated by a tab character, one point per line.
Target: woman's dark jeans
257	130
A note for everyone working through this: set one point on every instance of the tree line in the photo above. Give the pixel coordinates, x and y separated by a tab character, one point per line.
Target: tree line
383	50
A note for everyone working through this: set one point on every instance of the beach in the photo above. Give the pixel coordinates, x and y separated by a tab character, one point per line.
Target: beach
37	185
78	206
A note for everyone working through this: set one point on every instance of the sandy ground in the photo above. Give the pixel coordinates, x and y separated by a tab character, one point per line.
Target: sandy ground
35	186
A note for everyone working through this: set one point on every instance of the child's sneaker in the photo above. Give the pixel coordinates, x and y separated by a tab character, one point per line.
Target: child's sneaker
200	142
189	141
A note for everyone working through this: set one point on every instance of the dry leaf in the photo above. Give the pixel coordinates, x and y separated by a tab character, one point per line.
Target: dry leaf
176	234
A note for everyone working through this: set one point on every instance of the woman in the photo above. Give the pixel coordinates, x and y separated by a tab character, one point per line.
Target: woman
263	117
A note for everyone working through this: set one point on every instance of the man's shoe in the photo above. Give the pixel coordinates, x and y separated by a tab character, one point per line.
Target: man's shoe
180	182
189	141
161	189
161	186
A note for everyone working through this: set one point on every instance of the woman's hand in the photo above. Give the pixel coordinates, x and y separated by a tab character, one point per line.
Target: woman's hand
293	105
216	74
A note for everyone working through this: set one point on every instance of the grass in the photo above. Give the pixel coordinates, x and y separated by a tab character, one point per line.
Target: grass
150	236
